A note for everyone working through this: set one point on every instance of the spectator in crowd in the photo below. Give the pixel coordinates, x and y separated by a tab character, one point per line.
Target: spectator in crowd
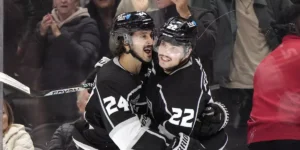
33	11
103	11
206	27
83	3
13	18
200	3
136	5
29	23
62	138
14	135
41	8
244	39
66	44
275	118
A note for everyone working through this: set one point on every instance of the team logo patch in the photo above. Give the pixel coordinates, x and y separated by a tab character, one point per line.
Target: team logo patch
192	24
124	17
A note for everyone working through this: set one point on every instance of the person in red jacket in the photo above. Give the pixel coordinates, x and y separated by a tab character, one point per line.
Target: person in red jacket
274	122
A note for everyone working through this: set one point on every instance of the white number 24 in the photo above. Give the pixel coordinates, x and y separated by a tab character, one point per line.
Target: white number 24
111	108
186	120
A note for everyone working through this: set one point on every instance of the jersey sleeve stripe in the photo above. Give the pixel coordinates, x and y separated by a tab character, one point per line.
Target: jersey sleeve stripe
82	145
102	106
210	100
197	111
163	98
126	134
199	100
133	91
159	136
224	143
141	104
165	132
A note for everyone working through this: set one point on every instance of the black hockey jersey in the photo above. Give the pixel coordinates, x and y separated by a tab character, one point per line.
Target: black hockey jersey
116	105
175	100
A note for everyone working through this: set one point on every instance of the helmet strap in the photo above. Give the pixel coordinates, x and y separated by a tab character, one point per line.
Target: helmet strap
128	41
135	55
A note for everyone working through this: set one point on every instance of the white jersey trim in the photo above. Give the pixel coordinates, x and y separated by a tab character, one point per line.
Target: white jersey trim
102	106
163	97
82	145
159	136
126	134
224	143
197	111
185	66
164	131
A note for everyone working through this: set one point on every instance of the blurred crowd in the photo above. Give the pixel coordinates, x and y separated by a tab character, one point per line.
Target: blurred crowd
50	44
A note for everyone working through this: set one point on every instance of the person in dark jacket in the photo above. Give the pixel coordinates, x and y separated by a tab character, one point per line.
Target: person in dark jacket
200	3
33	11
274	123
41	8
207	28
244	39
103	12
66	44
28	11
62	137
13	17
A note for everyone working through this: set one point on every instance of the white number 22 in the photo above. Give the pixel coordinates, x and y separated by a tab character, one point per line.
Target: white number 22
189	115
111	108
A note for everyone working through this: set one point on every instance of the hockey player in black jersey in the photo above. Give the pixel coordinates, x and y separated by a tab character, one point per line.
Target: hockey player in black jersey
116	105
177	91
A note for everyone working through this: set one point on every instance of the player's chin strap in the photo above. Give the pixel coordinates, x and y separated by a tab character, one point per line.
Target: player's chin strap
135	55
128	41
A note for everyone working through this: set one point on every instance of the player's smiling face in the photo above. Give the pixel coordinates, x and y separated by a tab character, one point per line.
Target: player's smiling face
170	55
142	44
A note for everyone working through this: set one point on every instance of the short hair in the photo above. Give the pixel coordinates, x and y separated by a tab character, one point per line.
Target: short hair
9	112
289	14
116	45
286	21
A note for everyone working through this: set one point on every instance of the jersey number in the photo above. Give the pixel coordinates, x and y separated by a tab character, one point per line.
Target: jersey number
111	106
186	119
172	27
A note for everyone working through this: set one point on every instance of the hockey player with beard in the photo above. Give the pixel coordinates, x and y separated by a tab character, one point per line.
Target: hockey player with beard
116	102
177	92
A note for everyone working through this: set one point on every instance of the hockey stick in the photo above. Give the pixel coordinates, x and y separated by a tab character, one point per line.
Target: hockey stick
25	89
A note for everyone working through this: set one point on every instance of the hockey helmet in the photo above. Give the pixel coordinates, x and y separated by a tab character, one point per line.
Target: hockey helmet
178	31
125	25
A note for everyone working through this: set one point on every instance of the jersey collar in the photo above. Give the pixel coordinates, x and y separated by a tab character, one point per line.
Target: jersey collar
185	66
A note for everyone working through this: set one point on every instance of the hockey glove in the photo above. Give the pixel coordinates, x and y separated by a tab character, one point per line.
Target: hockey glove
213	119
184	142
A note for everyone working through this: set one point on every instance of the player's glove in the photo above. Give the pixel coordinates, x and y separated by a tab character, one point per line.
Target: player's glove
214	118
184	142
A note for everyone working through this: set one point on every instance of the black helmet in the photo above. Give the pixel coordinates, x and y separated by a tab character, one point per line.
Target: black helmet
132	21
178	31
125	25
